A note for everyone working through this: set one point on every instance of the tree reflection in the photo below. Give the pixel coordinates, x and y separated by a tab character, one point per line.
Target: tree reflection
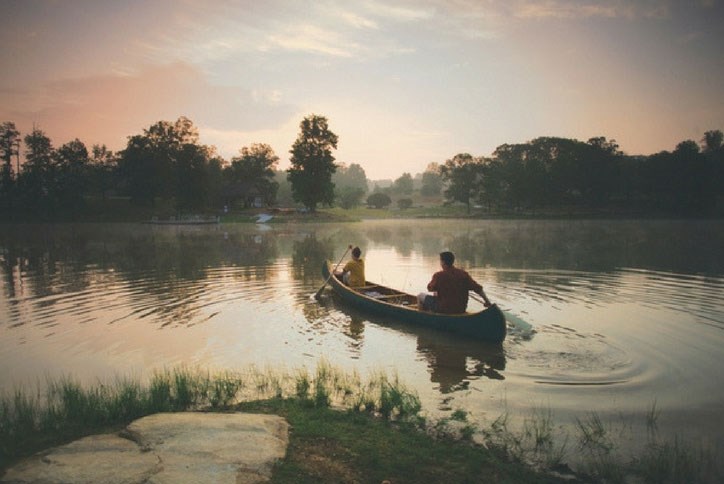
308	255
585	245
164	267
324	316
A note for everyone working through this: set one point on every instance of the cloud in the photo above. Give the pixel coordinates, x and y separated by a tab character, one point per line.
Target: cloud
494	12
402	13
229	141
358	21
107	109
312	39
572	9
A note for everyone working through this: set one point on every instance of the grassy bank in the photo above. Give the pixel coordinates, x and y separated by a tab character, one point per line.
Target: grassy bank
347	428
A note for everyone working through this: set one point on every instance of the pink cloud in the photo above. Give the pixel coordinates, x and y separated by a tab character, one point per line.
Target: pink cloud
107	109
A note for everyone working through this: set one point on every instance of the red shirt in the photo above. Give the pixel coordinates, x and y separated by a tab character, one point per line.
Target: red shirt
452	286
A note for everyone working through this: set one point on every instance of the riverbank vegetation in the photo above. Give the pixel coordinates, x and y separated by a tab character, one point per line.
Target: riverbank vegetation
349	428
166	172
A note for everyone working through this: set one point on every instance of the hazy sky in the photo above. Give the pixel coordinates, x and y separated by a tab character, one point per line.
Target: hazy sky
402	83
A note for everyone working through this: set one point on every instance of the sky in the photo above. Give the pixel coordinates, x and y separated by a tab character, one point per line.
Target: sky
402	83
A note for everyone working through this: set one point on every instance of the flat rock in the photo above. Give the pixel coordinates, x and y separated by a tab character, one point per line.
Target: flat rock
166	448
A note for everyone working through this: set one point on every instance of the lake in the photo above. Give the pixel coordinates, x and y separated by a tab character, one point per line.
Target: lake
625	315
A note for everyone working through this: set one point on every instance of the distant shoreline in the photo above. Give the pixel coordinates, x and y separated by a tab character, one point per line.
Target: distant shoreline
336	214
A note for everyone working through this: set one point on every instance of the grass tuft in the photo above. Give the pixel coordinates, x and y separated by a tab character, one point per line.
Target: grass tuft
673	462
459	415
652	418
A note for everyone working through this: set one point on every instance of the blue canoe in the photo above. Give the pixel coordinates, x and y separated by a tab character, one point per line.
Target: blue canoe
488	324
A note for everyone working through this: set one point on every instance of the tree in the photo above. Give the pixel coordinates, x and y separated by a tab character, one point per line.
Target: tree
102	167
693	178
38	150
313	163
284	193
71	168
379	200
351	176
214	181
255	168
462	172
404	184
493	184
140	170
404	203
37	178
349	197
601	165
712	141
350	185
431	181
713	148
167	161
192	176
9	147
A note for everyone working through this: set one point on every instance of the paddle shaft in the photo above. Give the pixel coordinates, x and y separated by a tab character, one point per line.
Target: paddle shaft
331	274
475	296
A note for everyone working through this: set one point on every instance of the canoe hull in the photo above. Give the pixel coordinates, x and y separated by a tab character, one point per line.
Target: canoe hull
488	325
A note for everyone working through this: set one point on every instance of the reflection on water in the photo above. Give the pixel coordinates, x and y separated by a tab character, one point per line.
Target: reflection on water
114	274
452	362
624	313
454	365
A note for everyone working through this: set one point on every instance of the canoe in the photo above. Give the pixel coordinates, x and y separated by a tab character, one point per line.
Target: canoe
488	324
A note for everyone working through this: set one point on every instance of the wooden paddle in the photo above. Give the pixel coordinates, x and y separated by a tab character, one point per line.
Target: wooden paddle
512	319
331	274
475	296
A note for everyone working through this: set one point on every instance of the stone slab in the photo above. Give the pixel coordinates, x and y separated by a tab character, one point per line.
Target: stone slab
166	448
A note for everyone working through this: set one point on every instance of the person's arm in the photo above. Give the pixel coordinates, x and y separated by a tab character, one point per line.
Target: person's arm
485	298
432	285
478	289
344	269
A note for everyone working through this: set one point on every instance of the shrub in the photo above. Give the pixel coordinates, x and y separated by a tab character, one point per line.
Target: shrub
404	203
379	200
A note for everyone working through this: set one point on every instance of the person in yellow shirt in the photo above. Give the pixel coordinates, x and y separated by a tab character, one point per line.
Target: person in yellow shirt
353	272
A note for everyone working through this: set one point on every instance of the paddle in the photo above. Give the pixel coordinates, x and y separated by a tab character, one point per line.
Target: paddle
331	274
475	296
519	324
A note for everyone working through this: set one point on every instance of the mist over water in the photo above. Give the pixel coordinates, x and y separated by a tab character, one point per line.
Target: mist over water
623	313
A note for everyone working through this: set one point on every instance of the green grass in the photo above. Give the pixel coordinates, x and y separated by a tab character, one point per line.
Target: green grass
65	410
432	211
332	446
346	428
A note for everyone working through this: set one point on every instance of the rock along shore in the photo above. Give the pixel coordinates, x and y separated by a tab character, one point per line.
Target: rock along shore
166	448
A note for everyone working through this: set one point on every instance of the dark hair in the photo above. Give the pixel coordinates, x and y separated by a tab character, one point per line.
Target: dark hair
447	257
356	252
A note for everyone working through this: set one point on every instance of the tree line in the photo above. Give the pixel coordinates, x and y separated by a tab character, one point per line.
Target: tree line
167	165
551	172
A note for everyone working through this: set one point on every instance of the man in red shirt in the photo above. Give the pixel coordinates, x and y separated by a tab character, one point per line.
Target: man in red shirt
451	286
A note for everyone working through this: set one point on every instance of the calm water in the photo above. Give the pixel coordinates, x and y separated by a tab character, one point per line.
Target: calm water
624	313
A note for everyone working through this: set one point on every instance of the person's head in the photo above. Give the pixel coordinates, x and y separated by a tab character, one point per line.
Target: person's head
447	258
356	252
